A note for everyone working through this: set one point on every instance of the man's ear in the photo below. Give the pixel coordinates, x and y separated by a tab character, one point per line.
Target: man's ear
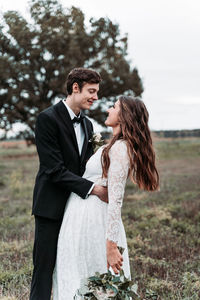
75	88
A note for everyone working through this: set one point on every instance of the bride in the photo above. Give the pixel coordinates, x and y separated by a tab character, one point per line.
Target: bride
92	229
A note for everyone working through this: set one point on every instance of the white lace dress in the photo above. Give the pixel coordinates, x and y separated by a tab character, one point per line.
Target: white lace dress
87	223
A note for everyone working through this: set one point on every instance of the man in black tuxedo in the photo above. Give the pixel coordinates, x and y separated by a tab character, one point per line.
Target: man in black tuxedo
62	139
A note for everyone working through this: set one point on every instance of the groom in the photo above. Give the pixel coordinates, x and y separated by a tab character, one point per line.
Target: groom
62	138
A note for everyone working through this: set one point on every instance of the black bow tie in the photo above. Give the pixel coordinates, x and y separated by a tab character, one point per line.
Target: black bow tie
78	120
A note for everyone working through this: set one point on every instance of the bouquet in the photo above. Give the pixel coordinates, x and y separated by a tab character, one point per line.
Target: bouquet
108	286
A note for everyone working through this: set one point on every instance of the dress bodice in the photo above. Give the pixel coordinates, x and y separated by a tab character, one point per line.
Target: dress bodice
93	171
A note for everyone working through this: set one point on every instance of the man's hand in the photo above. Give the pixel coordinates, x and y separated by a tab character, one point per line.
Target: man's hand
114	257
101	192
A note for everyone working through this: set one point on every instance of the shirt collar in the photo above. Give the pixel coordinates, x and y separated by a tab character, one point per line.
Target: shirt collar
70	111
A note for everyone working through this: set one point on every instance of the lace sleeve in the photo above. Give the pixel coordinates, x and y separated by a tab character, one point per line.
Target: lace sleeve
117	176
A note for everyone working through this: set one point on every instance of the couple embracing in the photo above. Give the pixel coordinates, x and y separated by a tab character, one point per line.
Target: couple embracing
78	194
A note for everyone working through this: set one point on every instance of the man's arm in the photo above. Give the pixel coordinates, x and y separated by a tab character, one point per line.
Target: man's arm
101	192
51	158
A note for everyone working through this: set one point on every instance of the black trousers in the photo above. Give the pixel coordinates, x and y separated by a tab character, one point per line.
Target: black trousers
44	257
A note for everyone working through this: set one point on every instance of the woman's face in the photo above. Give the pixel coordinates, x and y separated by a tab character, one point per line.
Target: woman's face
113	115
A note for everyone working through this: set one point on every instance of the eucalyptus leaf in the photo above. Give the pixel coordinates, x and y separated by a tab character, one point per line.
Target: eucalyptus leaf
134	288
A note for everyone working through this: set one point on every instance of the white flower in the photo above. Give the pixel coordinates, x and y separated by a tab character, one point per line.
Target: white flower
104	295
97	137
96	141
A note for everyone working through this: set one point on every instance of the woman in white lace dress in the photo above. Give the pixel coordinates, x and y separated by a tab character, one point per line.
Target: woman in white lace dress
91	229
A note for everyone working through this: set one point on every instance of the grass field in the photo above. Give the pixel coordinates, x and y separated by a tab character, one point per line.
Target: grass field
163	228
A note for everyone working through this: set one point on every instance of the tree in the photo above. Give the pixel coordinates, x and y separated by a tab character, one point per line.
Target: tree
36	57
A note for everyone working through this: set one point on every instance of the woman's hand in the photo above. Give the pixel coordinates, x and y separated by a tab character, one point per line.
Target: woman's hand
114	258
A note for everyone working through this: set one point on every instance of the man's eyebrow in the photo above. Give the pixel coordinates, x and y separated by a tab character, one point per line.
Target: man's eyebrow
93	89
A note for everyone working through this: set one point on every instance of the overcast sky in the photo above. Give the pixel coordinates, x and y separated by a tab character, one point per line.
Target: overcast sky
164	44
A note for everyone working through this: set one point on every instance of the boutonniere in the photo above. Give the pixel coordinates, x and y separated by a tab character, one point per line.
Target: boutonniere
96	141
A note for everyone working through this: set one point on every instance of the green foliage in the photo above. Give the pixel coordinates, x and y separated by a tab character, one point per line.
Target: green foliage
108	286
36	57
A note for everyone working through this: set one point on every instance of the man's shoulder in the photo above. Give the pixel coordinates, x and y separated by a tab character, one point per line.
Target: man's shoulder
49	111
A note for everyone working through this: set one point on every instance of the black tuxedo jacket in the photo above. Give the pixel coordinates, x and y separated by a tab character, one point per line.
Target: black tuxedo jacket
61	165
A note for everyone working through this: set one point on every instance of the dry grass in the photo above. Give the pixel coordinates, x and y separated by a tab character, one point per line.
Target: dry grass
162	228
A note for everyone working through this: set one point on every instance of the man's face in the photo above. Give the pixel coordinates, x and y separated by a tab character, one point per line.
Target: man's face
86	97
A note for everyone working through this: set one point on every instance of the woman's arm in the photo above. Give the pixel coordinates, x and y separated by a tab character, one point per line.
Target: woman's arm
117	176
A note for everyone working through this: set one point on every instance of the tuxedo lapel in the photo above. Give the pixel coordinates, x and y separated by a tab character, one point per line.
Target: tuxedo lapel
85	140
64	115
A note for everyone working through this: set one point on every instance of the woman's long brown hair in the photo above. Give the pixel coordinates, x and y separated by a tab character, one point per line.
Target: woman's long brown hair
133	118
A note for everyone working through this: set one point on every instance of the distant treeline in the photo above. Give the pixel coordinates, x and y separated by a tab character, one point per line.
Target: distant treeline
177	133
159	133
166	133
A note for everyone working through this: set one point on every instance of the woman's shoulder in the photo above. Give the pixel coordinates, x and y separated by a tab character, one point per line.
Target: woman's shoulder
119	147
120	144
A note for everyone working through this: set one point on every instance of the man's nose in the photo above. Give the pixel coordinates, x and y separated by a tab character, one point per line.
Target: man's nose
95	97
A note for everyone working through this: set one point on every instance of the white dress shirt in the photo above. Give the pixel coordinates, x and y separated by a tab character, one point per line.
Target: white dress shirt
80	135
